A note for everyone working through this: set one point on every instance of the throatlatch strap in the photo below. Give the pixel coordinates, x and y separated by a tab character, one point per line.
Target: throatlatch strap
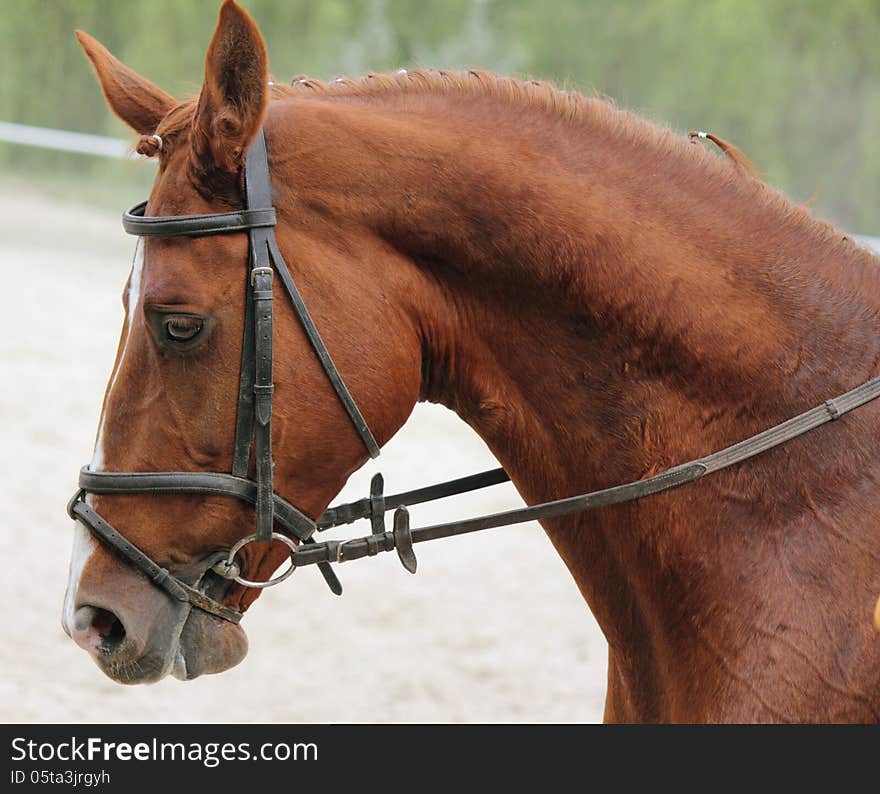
299	306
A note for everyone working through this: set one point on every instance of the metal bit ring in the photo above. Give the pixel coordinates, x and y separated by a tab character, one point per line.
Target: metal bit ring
230	561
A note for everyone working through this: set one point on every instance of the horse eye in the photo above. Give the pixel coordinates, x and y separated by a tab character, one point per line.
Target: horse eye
182	328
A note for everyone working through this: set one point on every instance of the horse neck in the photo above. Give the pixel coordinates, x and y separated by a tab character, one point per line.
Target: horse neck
596	293
602	302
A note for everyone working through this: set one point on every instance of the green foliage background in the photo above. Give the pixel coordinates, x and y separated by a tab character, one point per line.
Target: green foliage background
795	83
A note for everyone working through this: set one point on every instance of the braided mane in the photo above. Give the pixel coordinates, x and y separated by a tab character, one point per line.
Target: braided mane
571	107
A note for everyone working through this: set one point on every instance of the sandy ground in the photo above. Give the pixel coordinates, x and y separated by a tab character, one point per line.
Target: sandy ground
491	629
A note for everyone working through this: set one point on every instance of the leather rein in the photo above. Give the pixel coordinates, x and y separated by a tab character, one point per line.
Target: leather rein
253	433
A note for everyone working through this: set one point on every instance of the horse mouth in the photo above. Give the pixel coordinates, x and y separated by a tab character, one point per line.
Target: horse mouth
176	640
207	645
198	650
129	669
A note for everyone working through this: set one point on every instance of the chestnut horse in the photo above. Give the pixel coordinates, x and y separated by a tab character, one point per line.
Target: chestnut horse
596	297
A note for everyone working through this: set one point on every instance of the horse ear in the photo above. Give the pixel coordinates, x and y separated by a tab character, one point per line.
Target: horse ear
233	99
133	98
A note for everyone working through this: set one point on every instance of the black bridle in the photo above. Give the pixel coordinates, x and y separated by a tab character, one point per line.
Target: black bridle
253	424
253	431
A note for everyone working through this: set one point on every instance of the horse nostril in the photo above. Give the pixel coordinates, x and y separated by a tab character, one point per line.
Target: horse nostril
96	629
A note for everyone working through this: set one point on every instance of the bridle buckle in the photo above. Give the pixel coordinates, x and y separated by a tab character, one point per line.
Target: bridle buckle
79	496
260	271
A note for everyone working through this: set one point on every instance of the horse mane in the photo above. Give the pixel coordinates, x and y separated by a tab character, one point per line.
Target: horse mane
571	107
540	95
737	157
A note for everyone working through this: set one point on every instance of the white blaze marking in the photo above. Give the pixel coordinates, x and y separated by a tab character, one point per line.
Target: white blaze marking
83	542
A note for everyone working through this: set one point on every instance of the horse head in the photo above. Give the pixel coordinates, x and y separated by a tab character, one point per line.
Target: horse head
172	400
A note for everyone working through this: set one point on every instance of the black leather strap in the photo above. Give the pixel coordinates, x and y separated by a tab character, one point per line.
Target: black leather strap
135	222
261	276
244	417
209	483
342	392
828	411
366	508
377	504
259	194
159	576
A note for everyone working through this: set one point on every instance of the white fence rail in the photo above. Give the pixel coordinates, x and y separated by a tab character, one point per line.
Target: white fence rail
64	140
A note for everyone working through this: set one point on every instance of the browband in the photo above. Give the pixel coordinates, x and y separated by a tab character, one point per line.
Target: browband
135	222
